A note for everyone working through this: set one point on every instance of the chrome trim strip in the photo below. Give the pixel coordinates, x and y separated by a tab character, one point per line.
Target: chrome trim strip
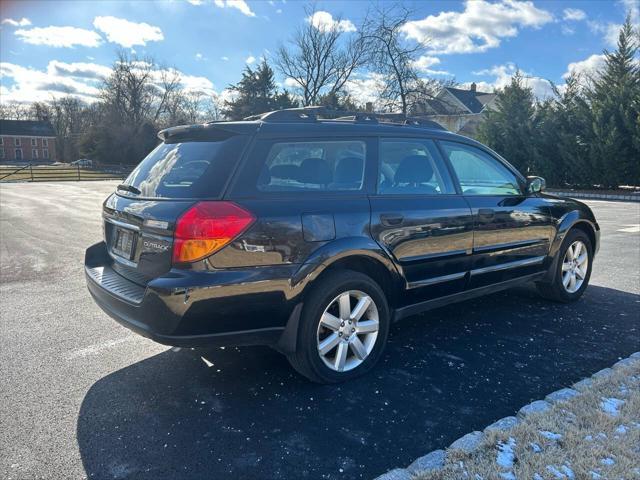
508	245
508	265
430	256
431	281
118	223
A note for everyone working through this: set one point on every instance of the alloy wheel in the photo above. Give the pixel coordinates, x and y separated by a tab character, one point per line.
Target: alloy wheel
348	330
574	266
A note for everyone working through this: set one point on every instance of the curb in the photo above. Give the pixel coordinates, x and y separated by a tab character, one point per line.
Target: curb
469	443
597	196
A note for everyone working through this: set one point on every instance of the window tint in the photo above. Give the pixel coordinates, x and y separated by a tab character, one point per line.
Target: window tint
412	166
479	173
187	170
318	166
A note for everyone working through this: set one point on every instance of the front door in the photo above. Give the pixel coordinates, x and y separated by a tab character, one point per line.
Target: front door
513	231
418	218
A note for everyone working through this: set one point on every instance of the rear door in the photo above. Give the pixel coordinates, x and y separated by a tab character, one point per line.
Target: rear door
513	231
305	192
418	217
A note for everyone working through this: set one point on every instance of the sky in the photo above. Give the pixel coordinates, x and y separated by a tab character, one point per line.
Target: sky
51	49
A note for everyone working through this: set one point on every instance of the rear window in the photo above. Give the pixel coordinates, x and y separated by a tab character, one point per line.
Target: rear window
192	169
317	166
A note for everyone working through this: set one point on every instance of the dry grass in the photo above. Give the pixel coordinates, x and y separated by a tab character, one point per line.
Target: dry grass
592	441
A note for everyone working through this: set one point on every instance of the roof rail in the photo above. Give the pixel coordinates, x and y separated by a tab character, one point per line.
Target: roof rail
319	113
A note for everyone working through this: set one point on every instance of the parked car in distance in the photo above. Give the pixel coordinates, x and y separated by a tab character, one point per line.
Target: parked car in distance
312	235
83	162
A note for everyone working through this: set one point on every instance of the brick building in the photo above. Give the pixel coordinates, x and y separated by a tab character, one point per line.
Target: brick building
27	141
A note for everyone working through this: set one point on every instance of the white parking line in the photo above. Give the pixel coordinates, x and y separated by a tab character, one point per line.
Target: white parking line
99	347
630	229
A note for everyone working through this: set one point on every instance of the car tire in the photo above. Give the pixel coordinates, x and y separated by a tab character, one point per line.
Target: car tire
335	345
562	287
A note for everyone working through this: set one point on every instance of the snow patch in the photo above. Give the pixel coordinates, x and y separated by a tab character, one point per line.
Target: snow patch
563	472
506	454
555	472
611	405
621	429
550	435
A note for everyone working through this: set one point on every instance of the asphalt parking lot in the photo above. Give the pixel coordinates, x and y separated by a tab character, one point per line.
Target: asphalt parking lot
83	397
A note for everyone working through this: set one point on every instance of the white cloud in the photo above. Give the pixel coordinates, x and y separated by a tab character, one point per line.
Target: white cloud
23	22
80	80
126	33
573	14
250	59
609	30
585	68
424	63
31	85
366	88
226	59
240	5
199	56
279	10
503	74
192	83
59	36
478	28
78	70
196	2
291	83
324	21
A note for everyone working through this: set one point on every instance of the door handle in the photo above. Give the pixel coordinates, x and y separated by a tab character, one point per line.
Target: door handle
391	219
487	213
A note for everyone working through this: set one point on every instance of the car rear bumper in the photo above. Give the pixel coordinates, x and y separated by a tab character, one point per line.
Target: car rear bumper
192	309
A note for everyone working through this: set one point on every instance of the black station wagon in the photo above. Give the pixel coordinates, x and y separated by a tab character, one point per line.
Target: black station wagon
312	235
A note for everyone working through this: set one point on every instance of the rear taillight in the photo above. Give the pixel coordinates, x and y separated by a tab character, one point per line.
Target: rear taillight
207	227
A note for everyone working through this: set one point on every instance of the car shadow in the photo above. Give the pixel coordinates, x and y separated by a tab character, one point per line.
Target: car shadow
244	413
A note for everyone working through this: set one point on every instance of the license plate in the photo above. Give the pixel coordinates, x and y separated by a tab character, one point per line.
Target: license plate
123	243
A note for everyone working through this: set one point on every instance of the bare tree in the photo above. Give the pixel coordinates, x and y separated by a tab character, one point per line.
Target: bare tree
15	111
395	58
318	60
128	91
69	117
169	92
192	106
212	108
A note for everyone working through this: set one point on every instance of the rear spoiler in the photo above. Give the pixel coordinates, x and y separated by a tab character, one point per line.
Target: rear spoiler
202	129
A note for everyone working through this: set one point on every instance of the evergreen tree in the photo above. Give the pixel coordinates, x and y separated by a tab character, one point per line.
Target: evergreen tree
564	137
510	128
338	101
614	97
256	93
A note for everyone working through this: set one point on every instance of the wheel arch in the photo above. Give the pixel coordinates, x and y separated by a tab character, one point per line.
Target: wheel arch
569	221
358	254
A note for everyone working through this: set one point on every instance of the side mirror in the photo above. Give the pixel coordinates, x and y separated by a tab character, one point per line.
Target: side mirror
535	184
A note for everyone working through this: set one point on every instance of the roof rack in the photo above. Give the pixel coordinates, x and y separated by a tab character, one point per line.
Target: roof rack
318	113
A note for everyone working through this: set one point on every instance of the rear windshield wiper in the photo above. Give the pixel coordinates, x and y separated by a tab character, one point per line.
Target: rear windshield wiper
129	188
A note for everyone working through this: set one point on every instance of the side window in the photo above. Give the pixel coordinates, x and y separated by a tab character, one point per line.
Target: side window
316	166
409	166
479	173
